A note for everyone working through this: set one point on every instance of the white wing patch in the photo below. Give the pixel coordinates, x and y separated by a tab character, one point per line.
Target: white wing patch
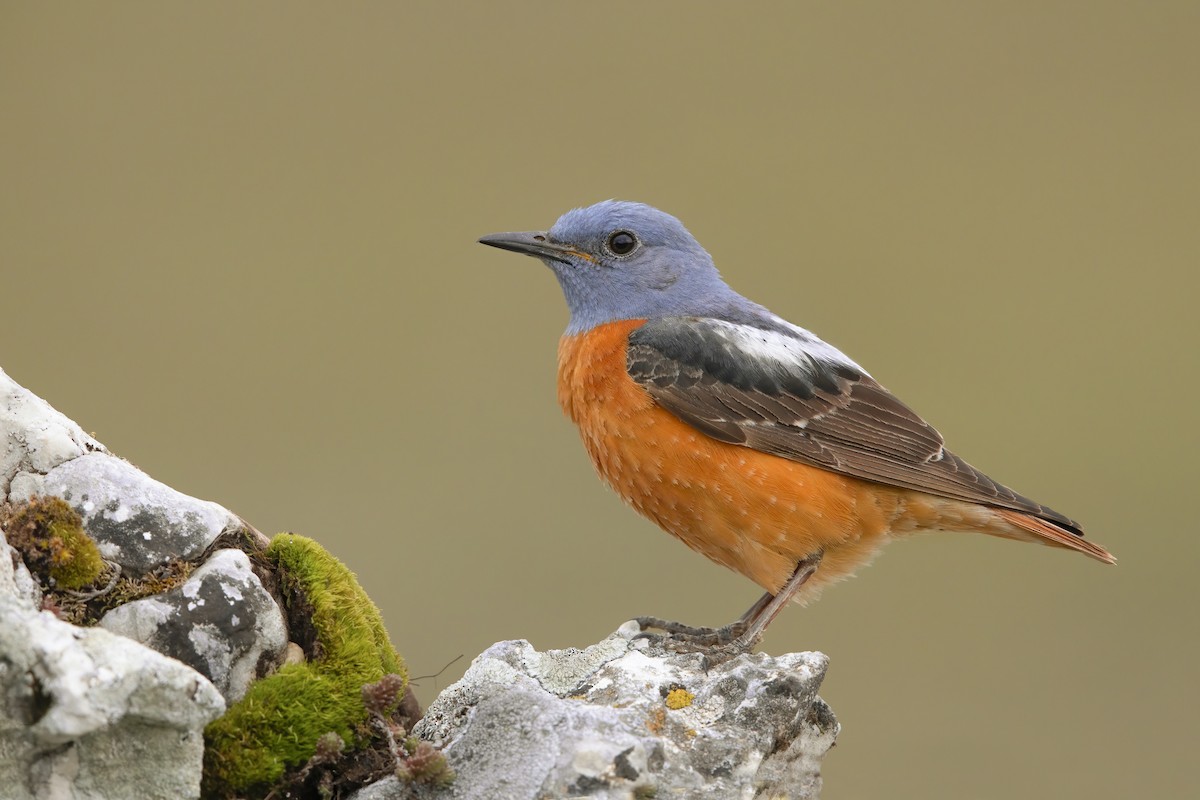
800	351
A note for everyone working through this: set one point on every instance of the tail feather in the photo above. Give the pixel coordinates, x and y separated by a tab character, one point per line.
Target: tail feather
1039	530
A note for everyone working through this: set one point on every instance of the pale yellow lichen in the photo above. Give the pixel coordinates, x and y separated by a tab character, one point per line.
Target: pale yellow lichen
679	698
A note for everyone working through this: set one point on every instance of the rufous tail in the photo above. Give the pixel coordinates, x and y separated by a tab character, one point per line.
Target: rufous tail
1044	532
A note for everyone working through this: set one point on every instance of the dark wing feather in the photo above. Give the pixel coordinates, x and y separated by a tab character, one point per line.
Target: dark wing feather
824	412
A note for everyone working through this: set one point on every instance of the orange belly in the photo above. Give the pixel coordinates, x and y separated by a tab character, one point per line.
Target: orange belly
755	513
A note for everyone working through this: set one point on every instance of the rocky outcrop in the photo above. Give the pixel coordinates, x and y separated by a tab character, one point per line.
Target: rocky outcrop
624	719
87	714
138	522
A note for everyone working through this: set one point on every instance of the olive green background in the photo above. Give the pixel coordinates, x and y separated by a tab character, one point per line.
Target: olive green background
237	242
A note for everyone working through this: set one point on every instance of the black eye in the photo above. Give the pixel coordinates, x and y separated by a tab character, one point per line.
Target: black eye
622	243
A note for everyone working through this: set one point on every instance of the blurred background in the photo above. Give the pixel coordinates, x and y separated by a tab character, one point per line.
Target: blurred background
237	242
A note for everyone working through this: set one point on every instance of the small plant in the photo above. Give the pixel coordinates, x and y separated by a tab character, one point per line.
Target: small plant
329	750
423	763
382	697
416	761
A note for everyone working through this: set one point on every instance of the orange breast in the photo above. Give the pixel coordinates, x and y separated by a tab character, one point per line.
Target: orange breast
755	513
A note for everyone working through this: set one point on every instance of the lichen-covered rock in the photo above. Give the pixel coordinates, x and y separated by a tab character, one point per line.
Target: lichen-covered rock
138	522
221	622
34	438
87	714
623	719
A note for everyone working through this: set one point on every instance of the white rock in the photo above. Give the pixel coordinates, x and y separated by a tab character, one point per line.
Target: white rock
120	504
595	722
221	622
89	714
138	522
34	438
15	580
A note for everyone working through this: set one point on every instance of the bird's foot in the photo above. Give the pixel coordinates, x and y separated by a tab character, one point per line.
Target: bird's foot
687	638
736	638
717	645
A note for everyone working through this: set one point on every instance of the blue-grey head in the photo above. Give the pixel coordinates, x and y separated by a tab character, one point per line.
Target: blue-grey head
617	260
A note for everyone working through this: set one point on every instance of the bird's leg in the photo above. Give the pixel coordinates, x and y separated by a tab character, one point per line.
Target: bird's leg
753	633
742	635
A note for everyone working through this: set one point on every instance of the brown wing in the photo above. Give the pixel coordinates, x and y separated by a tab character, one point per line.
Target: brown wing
808	405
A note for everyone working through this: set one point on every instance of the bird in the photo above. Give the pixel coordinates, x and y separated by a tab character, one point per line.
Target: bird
747	437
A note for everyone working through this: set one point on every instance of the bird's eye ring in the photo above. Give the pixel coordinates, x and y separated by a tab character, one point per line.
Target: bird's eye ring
621	243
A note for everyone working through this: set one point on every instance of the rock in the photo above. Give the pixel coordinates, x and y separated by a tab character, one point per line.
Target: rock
85	713
387	789
221	622
88	714
34	438
138	522
623	719
15	579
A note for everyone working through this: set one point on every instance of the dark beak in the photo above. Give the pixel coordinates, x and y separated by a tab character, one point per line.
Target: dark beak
531	243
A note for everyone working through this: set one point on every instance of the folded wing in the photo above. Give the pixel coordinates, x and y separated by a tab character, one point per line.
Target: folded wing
779	389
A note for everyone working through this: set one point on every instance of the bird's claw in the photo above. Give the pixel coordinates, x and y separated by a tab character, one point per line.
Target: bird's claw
715	644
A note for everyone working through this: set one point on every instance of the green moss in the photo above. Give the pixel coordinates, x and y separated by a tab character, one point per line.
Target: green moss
49	535
276	726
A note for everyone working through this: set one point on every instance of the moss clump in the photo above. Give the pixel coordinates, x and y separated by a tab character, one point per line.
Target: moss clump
277	725
49	535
